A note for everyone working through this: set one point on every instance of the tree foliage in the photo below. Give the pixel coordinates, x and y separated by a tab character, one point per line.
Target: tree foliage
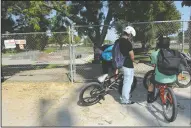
35	16
150	11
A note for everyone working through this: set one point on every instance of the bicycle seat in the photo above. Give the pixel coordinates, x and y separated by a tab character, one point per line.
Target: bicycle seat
102	78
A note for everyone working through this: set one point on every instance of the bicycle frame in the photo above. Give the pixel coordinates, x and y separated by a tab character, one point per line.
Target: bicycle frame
116	76
162	93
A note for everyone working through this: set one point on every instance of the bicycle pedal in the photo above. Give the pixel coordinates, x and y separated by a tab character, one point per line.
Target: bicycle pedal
103	97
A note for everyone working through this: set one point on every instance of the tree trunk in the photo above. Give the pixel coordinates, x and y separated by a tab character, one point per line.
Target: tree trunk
97	52
60	46
105	28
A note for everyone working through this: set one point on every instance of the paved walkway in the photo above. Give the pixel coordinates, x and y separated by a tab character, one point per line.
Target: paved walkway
111	113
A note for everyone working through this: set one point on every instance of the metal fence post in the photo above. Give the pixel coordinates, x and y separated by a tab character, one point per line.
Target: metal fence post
73	54
70	50
182	36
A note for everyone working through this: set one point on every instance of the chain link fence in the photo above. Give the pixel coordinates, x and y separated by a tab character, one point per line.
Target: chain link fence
35	52
76	52
85	68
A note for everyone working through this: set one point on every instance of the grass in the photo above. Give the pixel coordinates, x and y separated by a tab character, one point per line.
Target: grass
49	50
7	53
50	66
186	50
142	58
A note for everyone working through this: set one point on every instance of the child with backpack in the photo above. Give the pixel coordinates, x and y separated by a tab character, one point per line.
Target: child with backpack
166	63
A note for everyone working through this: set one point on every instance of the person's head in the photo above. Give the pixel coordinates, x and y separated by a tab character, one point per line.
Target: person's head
128	32
163	42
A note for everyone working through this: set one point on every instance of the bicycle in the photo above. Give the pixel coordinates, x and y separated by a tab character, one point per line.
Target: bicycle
168	100
167	97
101	87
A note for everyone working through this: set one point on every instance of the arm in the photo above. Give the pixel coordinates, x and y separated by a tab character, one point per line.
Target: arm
132	56
153	58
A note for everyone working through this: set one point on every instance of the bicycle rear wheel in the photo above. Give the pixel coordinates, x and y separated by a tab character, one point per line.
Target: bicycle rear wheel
146	79
170	105
90	94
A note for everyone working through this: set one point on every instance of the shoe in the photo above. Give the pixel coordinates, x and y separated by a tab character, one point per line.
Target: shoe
128	103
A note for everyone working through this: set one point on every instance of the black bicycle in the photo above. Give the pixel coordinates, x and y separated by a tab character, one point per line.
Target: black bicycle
97	90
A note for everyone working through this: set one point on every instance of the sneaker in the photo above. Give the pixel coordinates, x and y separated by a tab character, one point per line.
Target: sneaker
128	103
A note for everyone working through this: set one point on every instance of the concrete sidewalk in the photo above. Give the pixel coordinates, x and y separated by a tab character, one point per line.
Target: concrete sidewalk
111	113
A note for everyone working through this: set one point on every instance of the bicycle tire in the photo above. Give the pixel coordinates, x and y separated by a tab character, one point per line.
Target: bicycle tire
84	89
184	85
175	106
133	86
147	78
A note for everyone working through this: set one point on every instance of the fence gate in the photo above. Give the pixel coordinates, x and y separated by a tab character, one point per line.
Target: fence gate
31	52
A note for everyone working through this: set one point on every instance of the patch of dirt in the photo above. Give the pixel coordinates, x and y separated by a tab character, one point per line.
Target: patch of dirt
30	100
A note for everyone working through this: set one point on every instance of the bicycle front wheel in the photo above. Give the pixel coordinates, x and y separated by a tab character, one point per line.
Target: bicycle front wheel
170	109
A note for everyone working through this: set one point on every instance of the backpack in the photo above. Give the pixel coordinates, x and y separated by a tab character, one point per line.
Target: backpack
107	53
168	61
118	58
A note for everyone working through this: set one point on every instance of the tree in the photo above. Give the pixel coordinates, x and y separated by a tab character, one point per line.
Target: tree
153	11
7	23
57	25
30	16
89	13
90	16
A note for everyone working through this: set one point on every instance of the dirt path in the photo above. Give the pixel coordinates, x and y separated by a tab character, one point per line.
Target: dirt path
23	102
